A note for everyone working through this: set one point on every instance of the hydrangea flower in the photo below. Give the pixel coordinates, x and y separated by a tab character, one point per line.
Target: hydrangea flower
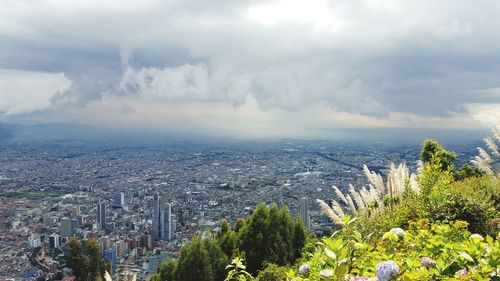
476	238
326	273
304	269
387	269
462	271
398	231
425	261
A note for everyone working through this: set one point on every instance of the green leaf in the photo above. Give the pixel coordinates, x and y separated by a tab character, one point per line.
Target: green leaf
466	256
330	254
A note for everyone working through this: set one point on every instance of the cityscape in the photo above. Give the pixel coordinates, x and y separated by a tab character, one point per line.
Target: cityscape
277	140
142	203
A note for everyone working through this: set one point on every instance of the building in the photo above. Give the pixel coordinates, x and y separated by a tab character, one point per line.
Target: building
304	212
75	211
54	241
35	241
153	264
68	227
167	221
156	217
119	199
110	255
164	220
101	215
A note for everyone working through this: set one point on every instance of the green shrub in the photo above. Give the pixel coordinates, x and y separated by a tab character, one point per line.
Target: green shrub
423	252
272	272
474	200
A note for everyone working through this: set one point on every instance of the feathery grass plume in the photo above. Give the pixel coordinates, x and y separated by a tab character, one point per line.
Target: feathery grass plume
325	209
414	183
496	132
357	198
374	194
484	161
374	179
493	147
107	277
351	205
420	167
398	179
338	209
365	195
483	165
340	194
483	154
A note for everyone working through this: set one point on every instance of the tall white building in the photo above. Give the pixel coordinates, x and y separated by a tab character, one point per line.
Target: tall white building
167	223
164	221
304	212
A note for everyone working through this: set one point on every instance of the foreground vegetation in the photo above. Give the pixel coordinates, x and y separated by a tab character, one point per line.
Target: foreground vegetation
441	223
268	236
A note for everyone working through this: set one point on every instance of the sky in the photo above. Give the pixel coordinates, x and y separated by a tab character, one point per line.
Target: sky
247	68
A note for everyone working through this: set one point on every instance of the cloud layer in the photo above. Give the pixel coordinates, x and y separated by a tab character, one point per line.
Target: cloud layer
369	60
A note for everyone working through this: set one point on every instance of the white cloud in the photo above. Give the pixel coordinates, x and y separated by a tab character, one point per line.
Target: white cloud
23	92
425	60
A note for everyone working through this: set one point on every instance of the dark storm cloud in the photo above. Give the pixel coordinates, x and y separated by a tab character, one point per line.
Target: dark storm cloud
366	57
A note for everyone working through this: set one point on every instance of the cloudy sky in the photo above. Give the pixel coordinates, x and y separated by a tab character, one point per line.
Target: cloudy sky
251	68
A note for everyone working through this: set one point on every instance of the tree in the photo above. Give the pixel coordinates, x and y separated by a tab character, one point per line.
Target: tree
239	224
299	238
218	259
228	243
253	238
275	249
432	149
76	260
86	261
224	228
168	270
194	263
466	172
286	229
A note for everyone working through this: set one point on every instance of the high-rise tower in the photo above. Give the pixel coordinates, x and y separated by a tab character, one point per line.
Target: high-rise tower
156	217
119	199
101	215
166	223
304	212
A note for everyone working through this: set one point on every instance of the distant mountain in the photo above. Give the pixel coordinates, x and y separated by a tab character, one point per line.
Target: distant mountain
50	131
81	132
7	131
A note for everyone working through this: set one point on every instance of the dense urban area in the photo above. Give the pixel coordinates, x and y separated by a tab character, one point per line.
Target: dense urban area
142	202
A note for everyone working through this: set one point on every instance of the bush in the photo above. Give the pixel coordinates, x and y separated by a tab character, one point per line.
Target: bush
474	200
423	252
272	272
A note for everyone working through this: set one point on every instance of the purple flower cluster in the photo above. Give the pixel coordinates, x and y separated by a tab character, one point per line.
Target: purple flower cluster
387	269
462	271
425	261
304	269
